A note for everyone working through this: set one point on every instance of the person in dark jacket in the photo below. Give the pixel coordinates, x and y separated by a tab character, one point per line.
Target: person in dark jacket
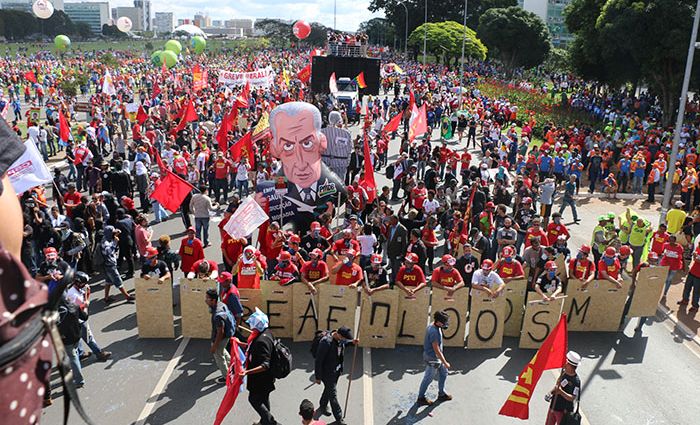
70	328
261	382
329	366
125	224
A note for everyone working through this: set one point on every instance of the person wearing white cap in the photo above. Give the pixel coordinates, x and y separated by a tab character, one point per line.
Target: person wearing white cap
675	217
566	390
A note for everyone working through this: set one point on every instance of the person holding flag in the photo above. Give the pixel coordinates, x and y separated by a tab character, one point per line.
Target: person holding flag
565	392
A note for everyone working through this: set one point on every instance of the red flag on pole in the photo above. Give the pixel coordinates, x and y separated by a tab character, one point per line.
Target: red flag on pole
171	191
411	100
234	382
244	146
156	90
159	160
418	124
393	124
64	134
141	115
189	114
242	99
226	125
305	74
551	355
367	182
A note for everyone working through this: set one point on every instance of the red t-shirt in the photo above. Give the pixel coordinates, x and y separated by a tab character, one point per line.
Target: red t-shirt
180	165
231	246
212	266
71	199
581	269
446	278
348	274
553	232
413	277
248	277
285	274
512	269
695	267
221	166
418	197
190	252
612	270
658	240
312	273
428	235
672	256
538	234
341	246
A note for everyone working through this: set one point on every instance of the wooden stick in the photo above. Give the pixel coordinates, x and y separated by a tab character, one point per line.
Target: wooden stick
354	352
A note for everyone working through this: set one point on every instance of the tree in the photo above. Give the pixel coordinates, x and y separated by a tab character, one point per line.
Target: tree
444	40
318	36
279	33
557	61
379	31
515	36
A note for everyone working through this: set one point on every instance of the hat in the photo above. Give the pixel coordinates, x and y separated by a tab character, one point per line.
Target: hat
652	255
315	225
50	250
224	277
352	217
573	358
585	249
549	265
679	204
375	259
527	200
316	253
508	251
345	332
151	252
490	204
487	264
412	257
610	251
284	256
602	218
625	250
191	229
611	216
258	320
448	259
294	238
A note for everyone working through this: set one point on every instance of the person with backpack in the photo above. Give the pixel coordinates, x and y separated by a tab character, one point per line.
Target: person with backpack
223	326
328	349
69	326
567	390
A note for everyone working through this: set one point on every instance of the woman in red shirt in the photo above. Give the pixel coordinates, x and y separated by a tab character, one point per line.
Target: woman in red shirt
673	258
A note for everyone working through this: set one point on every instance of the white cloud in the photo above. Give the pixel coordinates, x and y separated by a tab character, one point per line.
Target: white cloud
349	14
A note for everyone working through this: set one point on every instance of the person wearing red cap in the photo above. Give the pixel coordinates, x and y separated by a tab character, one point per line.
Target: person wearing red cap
508	267
673	258
314	239
191	250
341	246
153	267
377	276
581	267
347	272
410	275
446	276
486	280
659	239
203	269
555	229
229	295
248	269
609	267
548	284
53	268
298	254
286	272
315	270
486	219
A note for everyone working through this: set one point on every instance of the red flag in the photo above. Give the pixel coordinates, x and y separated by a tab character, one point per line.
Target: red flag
199	78
244	146
226	125
141	115
189	114
393	124
242	99
367	181
171	191
234	382
301	94
159	160
361	80
551	355
332	84
164	69
305	74
64	134
411	100
418	124
30	76
156	90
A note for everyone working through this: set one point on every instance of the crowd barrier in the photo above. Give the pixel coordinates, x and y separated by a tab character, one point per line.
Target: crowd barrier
392	317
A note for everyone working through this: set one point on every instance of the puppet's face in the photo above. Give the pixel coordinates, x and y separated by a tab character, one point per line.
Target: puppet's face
298	145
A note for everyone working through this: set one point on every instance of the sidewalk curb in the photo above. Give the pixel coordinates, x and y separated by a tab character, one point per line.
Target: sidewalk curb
666	313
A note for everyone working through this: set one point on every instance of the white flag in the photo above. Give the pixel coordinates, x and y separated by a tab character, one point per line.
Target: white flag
332	85
29	170
248	217
108	85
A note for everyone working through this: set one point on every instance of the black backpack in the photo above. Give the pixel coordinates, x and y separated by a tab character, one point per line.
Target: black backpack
318	336
389	172
281	363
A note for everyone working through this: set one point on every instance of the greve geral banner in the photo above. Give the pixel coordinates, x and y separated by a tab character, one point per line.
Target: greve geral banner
263	77
29	170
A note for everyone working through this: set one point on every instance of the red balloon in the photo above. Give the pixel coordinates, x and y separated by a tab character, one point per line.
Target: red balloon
301	29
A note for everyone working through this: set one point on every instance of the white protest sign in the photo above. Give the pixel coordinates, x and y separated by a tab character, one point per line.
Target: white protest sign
247	217
264	77
29	170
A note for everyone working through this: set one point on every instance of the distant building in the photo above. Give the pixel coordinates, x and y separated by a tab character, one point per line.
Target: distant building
246	25
95	14
227	32
184	22
163	22
135	14
552	13
202	21
145	6
216	23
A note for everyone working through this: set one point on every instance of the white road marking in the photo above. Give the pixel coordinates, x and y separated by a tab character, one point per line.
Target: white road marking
367	386
162	382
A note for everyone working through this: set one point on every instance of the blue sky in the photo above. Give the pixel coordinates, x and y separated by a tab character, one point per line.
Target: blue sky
349	13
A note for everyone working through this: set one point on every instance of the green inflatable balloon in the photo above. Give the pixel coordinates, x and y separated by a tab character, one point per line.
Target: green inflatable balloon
61	42
169	57
198	44
155	57
174	46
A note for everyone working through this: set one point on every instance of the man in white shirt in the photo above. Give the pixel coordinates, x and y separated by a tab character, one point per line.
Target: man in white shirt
488	281
431	205
367	242
242	169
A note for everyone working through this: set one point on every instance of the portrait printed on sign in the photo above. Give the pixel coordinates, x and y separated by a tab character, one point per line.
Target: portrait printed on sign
337	153
305	187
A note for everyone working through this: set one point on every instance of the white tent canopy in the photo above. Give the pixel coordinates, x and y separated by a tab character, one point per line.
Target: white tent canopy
190	29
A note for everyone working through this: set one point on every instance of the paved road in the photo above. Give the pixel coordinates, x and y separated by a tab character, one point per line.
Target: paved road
646	378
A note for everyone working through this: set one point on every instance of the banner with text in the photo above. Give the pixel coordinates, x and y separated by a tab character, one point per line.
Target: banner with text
259	78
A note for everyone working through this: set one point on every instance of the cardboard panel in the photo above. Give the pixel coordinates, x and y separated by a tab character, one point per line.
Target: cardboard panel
515	306
486	320
250	298
647	291
540	318
456	307
304	313
378	316
196	318
413	317
277	302
154	308
330	262
562	269
337	305
596	308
